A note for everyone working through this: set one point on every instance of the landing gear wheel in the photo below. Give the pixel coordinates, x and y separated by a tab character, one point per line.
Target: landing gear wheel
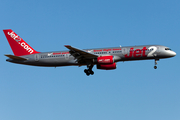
88	74
91	72
155	67
86	71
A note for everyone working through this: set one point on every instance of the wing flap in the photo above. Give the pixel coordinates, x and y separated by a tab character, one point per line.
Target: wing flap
15	57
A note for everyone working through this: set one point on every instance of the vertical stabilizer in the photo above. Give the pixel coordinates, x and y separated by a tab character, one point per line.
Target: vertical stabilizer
18	45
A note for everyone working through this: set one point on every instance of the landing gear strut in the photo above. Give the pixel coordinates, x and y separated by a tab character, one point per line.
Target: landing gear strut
155	67
89	70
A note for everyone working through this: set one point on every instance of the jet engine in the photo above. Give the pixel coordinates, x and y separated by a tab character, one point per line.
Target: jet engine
105	60
105	63
106	66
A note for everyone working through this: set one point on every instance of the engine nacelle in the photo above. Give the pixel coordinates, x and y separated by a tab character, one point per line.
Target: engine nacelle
105	60
106	66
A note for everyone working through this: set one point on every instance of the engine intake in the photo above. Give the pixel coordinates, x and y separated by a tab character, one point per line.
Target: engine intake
106	66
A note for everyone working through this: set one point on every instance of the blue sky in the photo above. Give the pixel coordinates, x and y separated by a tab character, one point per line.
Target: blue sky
134	91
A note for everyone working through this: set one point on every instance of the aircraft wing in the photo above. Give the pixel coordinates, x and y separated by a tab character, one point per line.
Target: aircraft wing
15	57
80	54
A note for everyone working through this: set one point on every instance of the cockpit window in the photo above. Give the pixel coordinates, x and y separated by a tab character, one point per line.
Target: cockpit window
167	49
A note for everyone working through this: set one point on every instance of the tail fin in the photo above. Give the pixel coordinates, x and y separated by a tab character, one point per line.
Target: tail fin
18	45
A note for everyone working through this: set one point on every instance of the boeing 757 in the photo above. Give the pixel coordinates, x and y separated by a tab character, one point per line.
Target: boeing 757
103	58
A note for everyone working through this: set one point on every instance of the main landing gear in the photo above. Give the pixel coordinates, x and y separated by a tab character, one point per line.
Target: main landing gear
89	70
155	67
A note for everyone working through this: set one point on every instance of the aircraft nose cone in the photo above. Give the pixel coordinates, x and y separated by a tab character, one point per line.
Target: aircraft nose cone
170	53
173	53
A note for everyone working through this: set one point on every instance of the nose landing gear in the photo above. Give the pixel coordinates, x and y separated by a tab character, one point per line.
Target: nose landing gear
155	67
89	70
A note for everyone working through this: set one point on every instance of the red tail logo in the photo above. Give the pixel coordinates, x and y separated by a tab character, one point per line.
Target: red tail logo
18	45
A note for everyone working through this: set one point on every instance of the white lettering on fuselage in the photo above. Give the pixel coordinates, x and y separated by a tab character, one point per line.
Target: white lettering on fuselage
153	48
49	54
18	40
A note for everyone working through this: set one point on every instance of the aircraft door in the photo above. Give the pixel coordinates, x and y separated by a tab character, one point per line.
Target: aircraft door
36	57
67	56
158	49
124	51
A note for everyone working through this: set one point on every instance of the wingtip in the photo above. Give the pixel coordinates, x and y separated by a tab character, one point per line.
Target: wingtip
67	45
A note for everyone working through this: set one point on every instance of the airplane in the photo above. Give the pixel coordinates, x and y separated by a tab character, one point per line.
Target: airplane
103	58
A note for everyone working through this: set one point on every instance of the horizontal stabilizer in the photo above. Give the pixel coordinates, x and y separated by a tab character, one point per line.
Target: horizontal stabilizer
15	57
